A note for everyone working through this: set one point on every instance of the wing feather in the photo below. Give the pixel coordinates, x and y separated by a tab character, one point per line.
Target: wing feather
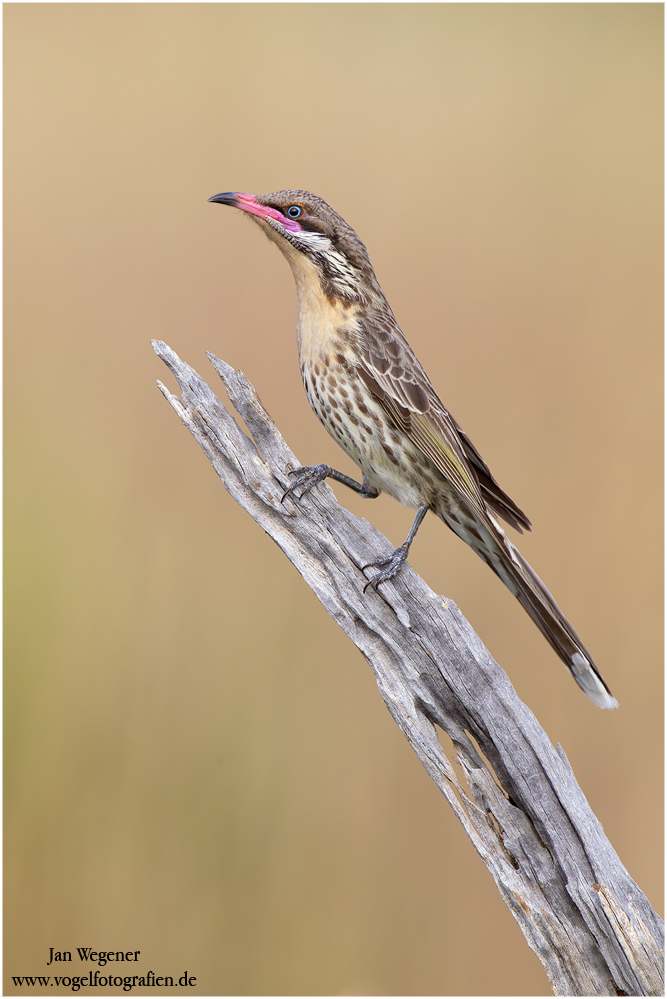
392	373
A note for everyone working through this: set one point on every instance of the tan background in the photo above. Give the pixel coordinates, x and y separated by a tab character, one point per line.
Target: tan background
199	765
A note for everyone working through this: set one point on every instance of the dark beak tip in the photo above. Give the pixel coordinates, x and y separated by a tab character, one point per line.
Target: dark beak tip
227	198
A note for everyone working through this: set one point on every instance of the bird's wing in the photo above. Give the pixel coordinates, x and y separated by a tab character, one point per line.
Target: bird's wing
496	497
395	377
397	380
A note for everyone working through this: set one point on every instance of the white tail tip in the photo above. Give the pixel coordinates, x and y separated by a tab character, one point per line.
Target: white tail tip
590	683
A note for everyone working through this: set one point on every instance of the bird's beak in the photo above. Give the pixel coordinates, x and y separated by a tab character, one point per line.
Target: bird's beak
247	203
229	198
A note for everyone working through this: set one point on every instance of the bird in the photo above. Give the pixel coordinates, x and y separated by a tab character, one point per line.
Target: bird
369	390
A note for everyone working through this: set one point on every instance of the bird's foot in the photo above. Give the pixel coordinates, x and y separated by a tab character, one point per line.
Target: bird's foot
305	478
388	567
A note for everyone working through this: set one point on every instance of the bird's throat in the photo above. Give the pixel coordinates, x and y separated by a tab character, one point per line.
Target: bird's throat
324	321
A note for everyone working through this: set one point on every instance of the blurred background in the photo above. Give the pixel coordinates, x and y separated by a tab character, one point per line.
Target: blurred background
228	793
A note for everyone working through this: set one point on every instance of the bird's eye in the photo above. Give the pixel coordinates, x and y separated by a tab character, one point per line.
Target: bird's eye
294	212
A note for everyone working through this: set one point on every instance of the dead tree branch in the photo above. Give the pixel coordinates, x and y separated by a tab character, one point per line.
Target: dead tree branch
580	911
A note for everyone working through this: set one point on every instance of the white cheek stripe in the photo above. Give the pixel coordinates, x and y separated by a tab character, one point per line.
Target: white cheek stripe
343	275
313	240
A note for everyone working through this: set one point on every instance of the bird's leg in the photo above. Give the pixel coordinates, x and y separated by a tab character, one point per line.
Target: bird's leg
390	566
309	476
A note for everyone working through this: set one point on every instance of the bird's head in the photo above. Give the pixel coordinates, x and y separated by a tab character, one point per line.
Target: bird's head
314	238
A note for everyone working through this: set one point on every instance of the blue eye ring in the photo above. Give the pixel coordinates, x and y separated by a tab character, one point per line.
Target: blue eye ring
294	212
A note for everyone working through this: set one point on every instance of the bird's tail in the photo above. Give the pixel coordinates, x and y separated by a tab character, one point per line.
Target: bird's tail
491	543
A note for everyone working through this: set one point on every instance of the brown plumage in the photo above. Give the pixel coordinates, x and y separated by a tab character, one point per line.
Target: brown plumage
367	387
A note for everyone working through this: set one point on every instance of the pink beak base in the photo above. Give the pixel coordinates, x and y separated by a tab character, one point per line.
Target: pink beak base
247	203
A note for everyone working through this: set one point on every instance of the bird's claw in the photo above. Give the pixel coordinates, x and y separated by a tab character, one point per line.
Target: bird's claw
389	567
307	477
